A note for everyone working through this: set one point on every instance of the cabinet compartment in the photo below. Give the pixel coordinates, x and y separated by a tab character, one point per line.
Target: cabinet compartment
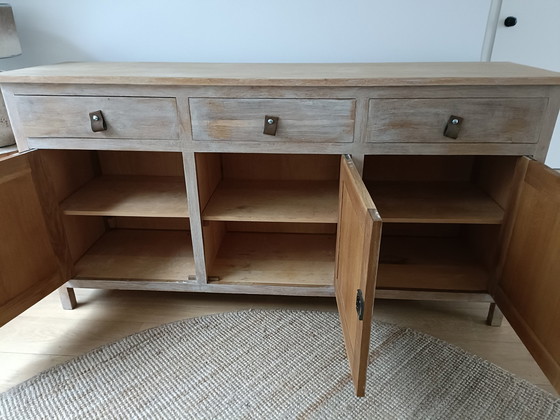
485	120
434	202
272	254
138	254
269	219
122	195
125	214
269	188
275	200
442	219
450	258
440	189
307	120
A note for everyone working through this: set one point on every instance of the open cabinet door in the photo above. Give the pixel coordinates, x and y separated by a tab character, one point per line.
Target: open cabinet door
30	264
528	288
357	250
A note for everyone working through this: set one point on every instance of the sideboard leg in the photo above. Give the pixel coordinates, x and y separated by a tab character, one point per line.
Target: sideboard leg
495	316
67	297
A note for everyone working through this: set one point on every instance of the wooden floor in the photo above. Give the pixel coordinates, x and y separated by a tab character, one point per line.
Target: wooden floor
46	335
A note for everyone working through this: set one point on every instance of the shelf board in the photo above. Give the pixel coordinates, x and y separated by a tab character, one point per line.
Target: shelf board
143	196
135	254
430	263
274	201
275	259
434	202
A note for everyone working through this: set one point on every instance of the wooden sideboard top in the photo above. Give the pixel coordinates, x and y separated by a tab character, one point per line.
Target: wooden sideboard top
261	74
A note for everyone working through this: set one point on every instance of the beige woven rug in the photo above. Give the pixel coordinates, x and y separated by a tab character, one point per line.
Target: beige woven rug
274	365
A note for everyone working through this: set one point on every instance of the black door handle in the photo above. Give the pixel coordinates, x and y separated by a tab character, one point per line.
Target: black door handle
510	21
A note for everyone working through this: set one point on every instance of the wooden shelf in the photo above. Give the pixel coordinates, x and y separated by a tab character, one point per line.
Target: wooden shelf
143	196
426	263
130	254
274	201
275	259
434	202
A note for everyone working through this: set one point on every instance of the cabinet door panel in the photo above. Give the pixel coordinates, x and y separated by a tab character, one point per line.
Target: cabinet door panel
528	289
358	238
30	267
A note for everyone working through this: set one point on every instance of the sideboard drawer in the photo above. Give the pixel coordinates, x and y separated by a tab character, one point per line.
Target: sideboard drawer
484	120
138	118
305	120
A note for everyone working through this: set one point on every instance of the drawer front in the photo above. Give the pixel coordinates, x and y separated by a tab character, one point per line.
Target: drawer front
126	117
485	120
300	120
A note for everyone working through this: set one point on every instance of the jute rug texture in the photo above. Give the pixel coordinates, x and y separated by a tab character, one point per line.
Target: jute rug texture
274	365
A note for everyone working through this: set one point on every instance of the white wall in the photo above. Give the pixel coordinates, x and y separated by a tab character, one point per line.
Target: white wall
249	30
534	41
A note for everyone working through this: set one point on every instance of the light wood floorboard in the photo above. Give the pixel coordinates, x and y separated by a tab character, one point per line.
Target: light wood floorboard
46	335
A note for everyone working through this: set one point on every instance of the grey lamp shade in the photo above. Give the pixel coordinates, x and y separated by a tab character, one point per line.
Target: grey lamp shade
9	41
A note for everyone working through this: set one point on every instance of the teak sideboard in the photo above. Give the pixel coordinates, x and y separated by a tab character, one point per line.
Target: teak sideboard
277	179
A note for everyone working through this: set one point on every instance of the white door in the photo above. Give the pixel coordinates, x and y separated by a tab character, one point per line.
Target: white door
534	40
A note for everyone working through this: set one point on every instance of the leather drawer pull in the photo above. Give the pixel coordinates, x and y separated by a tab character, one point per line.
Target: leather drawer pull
97	121
270	125
453	127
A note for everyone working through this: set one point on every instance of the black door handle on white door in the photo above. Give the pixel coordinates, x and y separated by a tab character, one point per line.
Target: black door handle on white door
510	21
